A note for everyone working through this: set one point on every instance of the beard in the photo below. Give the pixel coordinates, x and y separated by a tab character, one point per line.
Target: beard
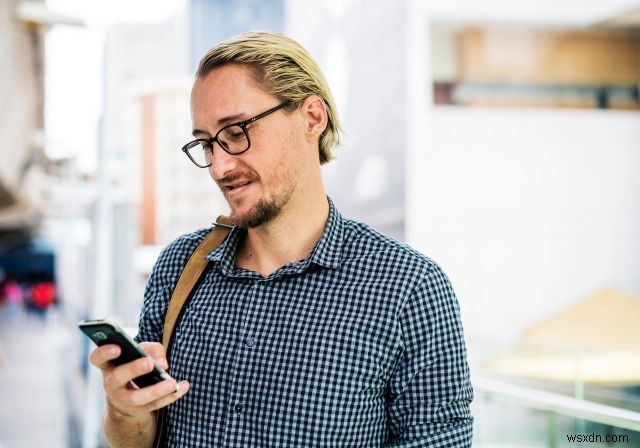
260	214
264	210
282	181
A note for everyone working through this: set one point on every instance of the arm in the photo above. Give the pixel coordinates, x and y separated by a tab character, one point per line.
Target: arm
429	392
130	417
124	431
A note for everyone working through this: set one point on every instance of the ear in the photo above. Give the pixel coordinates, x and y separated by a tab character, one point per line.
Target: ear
314	113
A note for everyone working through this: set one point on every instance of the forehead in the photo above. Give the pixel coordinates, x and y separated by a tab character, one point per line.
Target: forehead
225	90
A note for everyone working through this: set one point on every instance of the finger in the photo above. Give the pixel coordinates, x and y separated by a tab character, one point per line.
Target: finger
102	356
143	397
122	375
183	388
148	399
156	351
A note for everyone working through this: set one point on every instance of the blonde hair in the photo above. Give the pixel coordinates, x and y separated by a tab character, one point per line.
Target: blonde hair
285	69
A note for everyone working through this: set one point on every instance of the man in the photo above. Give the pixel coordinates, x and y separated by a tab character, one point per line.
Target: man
309	329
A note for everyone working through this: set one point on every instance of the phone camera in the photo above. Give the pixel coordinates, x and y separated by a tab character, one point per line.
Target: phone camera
100	335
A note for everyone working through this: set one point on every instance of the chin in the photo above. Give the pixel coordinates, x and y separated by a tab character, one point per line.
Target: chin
256	216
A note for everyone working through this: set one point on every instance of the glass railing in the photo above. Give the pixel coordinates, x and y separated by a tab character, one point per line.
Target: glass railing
544	396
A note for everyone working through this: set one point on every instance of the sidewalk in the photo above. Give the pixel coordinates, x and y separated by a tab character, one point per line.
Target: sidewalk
35	384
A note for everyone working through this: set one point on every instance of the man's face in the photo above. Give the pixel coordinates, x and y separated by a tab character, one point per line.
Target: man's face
257	184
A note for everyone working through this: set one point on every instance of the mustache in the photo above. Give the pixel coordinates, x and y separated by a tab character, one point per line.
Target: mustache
249	176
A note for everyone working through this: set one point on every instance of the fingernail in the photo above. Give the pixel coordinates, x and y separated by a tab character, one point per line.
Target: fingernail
171	387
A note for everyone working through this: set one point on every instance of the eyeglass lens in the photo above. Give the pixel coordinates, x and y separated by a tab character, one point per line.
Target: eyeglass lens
233	139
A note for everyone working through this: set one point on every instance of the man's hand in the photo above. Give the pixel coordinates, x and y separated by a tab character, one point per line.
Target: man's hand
130	420
122	395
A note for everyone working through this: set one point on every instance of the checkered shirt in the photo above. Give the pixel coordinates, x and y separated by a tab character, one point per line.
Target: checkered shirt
358	345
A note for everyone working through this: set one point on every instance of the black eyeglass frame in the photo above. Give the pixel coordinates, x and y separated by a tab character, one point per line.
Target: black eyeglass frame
241	124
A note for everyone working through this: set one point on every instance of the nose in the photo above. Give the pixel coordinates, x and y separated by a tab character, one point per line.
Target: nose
221	162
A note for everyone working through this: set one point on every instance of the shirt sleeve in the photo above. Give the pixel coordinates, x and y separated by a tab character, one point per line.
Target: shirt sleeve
429	392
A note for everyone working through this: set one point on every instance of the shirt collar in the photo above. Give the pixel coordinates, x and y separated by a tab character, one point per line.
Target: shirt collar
327	252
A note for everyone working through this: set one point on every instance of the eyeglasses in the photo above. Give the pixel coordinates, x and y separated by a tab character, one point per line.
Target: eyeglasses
233	138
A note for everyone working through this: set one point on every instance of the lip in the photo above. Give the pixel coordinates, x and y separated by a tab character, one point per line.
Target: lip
237	190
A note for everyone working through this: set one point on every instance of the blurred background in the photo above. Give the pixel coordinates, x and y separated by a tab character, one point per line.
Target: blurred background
502	139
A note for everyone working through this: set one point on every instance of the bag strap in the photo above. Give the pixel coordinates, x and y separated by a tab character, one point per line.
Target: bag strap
190	276
187	281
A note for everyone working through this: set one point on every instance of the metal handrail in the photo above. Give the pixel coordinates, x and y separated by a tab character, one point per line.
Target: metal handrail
560	404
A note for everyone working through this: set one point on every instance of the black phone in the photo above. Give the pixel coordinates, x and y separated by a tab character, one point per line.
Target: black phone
105	331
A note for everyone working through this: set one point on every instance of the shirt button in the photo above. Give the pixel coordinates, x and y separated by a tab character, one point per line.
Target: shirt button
238	408
250	342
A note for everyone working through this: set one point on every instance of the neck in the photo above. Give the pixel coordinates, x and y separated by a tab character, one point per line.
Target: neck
289	237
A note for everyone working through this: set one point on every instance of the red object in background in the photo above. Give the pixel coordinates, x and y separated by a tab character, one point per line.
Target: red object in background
43	294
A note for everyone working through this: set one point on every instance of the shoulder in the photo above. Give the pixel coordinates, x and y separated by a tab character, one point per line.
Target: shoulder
405	272
175	255
164	277
361	240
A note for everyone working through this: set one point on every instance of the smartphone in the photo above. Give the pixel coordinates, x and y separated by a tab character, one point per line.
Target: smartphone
105	331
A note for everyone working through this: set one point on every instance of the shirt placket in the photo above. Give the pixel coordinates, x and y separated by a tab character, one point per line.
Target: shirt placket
245	344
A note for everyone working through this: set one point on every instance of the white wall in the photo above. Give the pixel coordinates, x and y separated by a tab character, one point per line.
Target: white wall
528	211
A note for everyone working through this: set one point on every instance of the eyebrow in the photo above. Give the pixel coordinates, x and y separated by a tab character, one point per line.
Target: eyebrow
221	121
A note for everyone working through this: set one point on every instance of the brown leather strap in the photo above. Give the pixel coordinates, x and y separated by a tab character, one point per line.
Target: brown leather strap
188	279
190	276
